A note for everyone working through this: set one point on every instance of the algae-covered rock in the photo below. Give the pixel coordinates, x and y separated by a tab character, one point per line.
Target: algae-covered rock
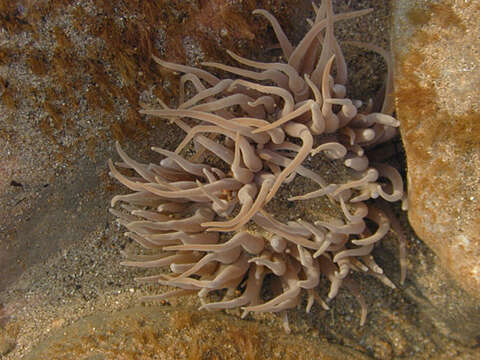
438	104
435	45
179	333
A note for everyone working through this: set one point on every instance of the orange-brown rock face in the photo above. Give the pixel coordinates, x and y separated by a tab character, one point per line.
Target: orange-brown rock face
437	56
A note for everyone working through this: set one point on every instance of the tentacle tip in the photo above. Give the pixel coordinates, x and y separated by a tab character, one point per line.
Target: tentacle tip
244	314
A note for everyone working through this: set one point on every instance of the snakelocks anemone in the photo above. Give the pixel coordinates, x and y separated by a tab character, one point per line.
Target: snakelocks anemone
204	211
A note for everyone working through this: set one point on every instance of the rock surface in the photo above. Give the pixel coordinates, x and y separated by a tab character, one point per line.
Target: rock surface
437	53
166	333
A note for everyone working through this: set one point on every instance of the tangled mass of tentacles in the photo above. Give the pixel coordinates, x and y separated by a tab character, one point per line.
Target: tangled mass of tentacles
209	221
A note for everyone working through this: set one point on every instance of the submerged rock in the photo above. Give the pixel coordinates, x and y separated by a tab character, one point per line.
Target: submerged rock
438	104
178	333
